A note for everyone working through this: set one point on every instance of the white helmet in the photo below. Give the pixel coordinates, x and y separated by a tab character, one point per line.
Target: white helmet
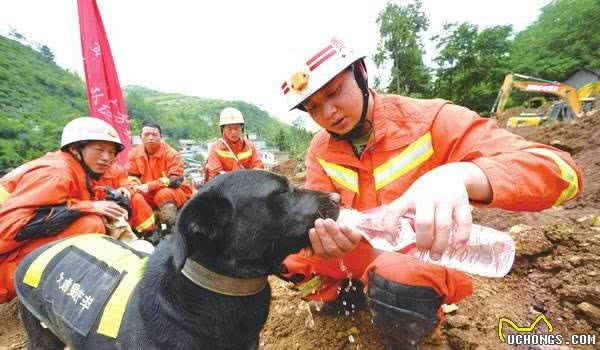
322	65
230	115
89	129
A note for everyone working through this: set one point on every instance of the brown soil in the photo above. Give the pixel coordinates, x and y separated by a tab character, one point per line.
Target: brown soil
556	272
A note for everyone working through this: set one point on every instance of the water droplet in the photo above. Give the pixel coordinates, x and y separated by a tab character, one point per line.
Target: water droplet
344	302
351	338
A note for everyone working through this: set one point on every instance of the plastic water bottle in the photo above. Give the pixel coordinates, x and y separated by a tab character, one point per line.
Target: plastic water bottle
488	252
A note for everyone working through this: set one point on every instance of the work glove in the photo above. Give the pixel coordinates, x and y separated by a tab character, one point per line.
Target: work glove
175	182
118	197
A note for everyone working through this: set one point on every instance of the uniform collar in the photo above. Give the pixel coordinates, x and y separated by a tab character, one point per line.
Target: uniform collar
393	129
158	153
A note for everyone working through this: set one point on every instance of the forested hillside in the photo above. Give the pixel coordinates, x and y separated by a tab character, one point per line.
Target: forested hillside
37	98
188	117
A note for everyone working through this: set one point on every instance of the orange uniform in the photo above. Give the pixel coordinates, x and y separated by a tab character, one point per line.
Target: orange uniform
142	216
150	168
221	159
54	179
410	138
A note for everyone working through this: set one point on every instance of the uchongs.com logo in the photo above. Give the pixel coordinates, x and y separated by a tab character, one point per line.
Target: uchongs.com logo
525	334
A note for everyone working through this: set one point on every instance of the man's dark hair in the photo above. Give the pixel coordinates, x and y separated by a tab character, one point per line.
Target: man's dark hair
151	125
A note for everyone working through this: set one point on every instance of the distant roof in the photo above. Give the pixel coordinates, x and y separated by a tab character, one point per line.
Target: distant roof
595	71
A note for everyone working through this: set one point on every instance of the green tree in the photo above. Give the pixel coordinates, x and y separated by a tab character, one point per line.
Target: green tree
471	63
565	37
401	48
281	141
47	54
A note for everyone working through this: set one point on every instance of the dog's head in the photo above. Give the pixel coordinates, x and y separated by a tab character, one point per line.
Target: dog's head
244	223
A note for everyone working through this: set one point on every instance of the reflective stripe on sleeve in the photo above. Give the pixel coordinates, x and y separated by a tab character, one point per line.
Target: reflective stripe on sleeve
413	156
567	173
4	195
342	175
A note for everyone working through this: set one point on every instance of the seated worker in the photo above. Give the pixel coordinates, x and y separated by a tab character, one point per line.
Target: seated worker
232	151
51	198
159	169
427	158
141	217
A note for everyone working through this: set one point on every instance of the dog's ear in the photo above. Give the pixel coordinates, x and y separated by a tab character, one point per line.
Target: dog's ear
201	220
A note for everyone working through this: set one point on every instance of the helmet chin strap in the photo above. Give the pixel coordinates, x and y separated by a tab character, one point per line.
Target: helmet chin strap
361	80
88	170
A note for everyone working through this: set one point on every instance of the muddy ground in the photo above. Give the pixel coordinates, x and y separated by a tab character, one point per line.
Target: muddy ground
556	272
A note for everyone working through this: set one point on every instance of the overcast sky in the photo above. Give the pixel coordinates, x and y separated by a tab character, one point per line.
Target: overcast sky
240	50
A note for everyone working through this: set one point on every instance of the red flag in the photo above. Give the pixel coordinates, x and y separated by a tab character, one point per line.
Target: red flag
103	89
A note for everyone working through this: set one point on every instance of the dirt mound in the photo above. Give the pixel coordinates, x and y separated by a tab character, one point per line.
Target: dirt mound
287	168
293	170
582	140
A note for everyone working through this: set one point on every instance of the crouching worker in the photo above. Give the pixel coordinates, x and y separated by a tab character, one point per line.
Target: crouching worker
233	151
428	158
159	169
116	186
51	198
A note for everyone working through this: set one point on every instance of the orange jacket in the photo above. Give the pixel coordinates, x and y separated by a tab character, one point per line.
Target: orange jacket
220	159
414	136
166	162
115	177
55	178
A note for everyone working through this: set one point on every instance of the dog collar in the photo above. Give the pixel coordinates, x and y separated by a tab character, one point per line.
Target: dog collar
222	284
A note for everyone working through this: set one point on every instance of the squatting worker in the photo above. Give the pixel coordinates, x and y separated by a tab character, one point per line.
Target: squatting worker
426	157
233	151
159	170
51	197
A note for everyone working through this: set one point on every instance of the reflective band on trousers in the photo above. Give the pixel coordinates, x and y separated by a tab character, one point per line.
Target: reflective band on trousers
342	175
412	156
567	173
4	195
240	156
113	255
147	223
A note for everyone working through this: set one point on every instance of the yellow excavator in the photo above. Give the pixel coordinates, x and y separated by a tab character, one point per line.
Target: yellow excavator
568	108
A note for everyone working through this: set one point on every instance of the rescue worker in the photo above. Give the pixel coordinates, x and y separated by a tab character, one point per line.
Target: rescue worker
428	158
51	198
159	170
142	216
232	151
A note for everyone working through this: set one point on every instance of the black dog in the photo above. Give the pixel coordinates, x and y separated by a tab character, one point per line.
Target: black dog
204	289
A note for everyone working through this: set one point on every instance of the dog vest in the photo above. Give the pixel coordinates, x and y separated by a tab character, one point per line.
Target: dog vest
81	284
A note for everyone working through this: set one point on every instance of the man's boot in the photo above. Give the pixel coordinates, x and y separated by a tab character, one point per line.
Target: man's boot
350	299
406	315
168	213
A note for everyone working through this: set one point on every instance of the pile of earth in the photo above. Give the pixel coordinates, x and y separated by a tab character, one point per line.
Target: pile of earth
556	272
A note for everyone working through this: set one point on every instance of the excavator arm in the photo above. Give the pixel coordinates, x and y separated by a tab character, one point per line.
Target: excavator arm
566	92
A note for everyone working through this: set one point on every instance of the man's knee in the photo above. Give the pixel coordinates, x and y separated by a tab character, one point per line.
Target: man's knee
163	196
86	224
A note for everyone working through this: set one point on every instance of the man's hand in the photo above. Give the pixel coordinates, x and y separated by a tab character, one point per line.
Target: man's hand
328	240
142	188
439	201
109	209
